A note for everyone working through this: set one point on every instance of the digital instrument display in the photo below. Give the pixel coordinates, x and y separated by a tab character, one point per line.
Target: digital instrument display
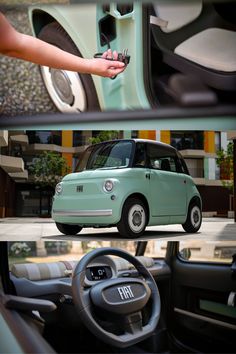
98	273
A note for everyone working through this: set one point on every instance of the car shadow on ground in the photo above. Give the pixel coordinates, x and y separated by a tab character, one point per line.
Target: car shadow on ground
114	236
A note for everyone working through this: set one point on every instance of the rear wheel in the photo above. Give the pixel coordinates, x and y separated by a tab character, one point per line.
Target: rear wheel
69	91
194	218
68	229
133	218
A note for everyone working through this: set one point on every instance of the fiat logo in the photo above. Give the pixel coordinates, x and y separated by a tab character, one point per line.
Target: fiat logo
125	292
79	189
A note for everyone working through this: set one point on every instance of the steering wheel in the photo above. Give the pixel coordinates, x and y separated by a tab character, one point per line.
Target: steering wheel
121	299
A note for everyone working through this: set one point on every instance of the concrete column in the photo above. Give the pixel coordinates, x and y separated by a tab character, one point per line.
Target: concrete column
127	134
211	168
223	141
40	249
158	135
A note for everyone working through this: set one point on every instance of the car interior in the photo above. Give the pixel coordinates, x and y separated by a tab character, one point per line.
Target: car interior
113	302
192	52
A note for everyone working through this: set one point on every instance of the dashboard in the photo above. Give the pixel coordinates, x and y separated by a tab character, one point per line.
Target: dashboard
59	282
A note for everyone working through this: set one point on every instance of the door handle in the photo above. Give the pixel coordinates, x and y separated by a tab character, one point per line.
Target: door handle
184	181
148	175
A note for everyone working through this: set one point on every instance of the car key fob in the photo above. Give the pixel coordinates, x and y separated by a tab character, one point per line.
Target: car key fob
123	57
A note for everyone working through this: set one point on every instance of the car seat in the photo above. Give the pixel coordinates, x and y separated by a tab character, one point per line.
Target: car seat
165	165
195	39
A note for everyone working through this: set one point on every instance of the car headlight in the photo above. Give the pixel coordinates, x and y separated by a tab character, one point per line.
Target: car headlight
108	186
58	188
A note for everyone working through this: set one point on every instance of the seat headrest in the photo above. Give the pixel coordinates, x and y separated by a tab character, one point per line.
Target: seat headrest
175	14
43	271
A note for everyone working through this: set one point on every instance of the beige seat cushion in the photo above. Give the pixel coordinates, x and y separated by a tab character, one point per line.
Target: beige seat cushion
43	271
213	48
176	15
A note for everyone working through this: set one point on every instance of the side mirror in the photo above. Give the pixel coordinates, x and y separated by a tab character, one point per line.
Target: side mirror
185	254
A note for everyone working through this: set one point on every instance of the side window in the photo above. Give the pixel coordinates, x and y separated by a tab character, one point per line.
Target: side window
162	158
140	155
207	252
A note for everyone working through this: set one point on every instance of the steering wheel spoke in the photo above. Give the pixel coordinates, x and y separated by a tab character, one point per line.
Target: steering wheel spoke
133	323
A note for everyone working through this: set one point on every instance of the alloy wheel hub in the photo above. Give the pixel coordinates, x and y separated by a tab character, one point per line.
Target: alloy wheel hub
137	218
62	85
195	217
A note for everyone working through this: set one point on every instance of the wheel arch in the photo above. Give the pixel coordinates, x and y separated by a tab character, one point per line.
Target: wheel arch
41	16
40	19
143	199
196	199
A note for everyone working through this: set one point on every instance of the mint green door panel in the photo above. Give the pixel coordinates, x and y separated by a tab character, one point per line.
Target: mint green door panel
127	90
8	343
167	193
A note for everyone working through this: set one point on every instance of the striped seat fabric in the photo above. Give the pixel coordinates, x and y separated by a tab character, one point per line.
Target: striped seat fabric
43	271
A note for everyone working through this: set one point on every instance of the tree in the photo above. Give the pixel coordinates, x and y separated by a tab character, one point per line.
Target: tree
104	135
225	161
49	168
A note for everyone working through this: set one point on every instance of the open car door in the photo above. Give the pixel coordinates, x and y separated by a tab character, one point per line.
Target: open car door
202	313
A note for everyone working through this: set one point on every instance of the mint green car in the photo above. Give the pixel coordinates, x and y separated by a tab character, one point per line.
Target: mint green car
131	184
182	54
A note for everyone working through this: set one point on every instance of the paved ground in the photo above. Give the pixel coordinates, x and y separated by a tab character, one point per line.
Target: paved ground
32	229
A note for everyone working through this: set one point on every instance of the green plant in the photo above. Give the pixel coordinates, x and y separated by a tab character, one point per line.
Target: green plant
225	161
19	249
104	135
49	168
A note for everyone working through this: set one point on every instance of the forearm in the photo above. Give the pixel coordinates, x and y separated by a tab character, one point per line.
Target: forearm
39	52
32	49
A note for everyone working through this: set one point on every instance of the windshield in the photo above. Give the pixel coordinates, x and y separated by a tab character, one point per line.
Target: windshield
114	154
55	251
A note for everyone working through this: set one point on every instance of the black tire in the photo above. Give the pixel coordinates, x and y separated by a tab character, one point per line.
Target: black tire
194	218
68	229
134	218
54	34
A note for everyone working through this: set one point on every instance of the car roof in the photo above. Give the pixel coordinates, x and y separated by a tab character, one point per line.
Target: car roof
136	140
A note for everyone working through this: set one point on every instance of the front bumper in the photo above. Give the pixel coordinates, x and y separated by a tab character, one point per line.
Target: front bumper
84	213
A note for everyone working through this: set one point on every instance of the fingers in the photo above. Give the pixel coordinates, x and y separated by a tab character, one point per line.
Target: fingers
115	55
109	55
114	72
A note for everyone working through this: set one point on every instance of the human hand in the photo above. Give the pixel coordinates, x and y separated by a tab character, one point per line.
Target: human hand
105	67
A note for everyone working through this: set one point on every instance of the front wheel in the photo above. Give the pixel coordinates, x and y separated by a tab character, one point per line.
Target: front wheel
133	218
70	92
194	218
68	229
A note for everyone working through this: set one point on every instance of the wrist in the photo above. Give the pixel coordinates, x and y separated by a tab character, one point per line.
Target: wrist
88	66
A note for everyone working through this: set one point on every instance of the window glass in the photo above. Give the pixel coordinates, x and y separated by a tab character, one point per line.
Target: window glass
113	154
207	251
161	158
183	140
140	155
44	137
54	251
